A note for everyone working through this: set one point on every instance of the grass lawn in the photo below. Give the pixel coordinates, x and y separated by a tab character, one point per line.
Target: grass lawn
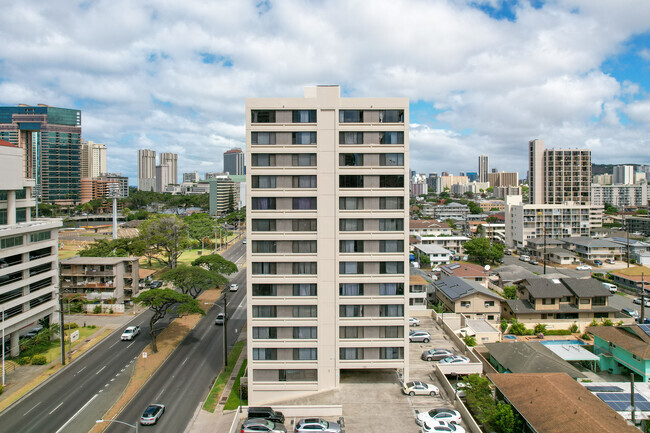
215	393
54	352
233	398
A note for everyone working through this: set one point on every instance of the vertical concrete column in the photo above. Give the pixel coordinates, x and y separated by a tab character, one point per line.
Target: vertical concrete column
11	207
15	343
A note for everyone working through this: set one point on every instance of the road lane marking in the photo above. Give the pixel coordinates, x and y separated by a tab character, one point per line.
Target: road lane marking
32	408
81	370
185	360
100	370
159	394
130	345
113	344
73	416
56	408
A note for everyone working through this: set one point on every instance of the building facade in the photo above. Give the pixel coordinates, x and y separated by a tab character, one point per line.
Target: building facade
620	195
93	159
28	252
483	168
50	139
191	176
146	170
170	161
100	278
234	161
224	195
503	179
327	223
623	174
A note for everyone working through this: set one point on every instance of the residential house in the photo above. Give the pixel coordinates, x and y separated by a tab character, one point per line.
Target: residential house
452	243
101	278
451	210
633	277
536	246
512	274
555	403
469	298
436	254
623	349
429	227
417	292
468	271
639	250
589	249
528	357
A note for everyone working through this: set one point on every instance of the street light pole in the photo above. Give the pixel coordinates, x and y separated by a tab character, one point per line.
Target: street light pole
99	421
3	345
61	328
225	327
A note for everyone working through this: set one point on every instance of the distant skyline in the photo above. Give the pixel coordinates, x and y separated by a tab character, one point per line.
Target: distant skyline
483	76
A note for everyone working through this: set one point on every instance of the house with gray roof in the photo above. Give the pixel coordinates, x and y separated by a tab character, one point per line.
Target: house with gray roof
528	357
512	274
536	246
589	249
459	295
639	250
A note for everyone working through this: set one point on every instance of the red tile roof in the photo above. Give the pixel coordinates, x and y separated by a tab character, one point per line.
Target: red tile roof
6	143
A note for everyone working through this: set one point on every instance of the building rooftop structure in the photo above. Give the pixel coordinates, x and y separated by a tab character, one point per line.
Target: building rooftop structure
464	270
456	288
529	357
632	338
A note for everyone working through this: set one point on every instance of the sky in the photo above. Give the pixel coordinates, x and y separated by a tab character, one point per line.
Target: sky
482	76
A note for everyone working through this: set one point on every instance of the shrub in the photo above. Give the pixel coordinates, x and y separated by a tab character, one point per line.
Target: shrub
110	311
470	340
539	328
1	388
594	323
71	325
504	325
559	331
573	328
607	322
597	274
97	309
39	360
517	328
585	336
23	360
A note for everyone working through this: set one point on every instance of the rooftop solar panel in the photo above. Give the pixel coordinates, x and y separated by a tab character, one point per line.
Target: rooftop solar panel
645	328
620	401
620	396
596	388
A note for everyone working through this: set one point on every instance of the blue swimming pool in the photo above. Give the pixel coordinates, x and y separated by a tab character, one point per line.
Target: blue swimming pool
552	342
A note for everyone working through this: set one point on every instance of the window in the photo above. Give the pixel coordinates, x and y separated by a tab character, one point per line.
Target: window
391	289
351	310
304	290
351	225
263	116
391	159
599	301
303	225
396	310
391	267
303	247
393	137
465	304
303	181
304	311
263	225
297	375
263	160
265	268
351	289
391	116
303	116
386	181
351	246
265	354
303	138
548	301
351	267
391	246
391	353
350	203
391	332
350	181
348	353
585	301
21	215
303	203
304	268
265	333
351	159
13	241
350	137
265	290
351	332
263	181
303	160
305	332
264	311
40	236
391	224
304	354
350	116
391	202
262	138
488	304
264	247
263	203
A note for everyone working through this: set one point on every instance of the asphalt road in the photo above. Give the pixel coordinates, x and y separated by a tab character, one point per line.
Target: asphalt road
184	380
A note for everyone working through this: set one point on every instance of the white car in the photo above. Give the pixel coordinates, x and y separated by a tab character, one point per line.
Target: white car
645	304
438	414
442	427
420	388
234	287
130	333
414	321
583	268
456	359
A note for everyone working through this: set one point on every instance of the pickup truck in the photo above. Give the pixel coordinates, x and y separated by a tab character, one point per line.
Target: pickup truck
130	333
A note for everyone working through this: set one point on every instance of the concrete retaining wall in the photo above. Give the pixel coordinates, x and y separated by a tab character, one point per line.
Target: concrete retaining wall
106	308
458	403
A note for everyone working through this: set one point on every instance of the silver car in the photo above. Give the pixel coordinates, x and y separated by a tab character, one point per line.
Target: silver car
317	424
257	425
436	354
422	336
152	414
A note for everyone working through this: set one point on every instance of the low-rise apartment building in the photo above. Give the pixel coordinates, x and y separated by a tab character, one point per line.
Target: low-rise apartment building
638	224
503	191
429	227
435	254
492	205
452	243
451	210
620	195
623	349
470	298
417	292
588	249
101	278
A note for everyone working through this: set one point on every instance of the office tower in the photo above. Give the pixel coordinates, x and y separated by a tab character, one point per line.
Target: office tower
93	159
191	176
327	223
49	137
623	175
163	177
28	251
171	161
557	176
146	170
233	161
224	195
483	168
503	179
472	176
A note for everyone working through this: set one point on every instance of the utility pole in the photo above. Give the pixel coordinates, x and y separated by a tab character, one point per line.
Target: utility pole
642	319
3	346
225	327
544	247
632	397
61	328
627	231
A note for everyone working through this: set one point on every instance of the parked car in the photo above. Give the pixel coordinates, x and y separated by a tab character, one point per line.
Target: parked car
630	312
455	359
33	332
308	425
460	389
257	425
524	258
611	287
583	268
610	261
416	336
438	414
507	252
234	287
442	427
533	262
413	321
152	414
220	319
244	242
598	262
436	354
155	284
420	388
266	413
130	333
638	301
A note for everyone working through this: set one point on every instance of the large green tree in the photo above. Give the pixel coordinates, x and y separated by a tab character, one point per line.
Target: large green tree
161	302
200	225
192	280
122	247
480	250
216	263
167	236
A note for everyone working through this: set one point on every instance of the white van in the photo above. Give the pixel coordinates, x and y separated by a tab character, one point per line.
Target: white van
611	287
524	258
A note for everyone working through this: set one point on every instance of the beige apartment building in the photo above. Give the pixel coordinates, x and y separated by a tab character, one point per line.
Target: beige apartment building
327	227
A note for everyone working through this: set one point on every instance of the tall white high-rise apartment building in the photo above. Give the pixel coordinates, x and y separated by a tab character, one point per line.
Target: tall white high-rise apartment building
146	170
483	168
171	161
623	175
327	224
93	159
